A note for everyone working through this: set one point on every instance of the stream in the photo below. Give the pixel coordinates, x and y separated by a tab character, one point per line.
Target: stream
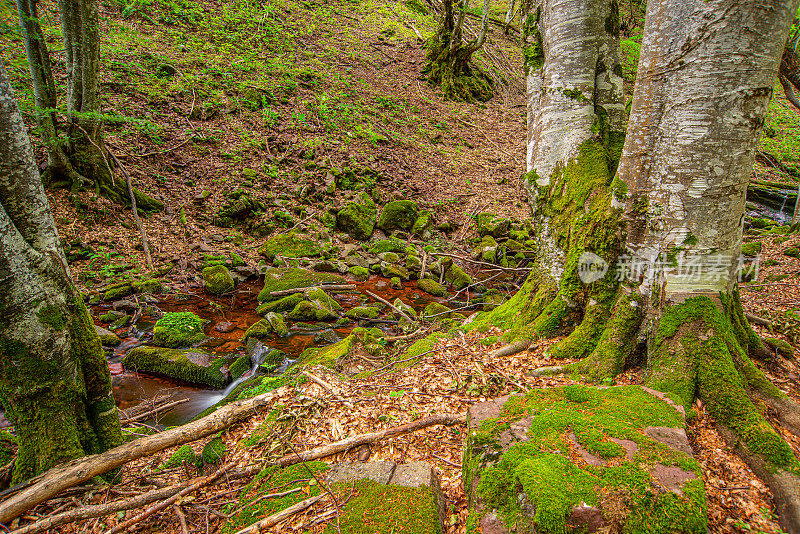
228	317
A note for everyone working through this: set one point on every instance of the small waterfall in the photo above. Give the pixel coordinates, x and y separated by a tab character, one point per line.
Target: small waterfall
258	352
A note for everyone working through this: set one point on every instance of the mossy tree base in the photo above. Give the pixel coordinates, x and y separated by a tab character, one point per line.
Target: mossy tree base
453	70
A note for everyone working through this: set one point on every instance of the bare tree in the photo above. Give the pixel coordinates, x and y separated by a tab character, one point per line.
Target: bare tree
54	380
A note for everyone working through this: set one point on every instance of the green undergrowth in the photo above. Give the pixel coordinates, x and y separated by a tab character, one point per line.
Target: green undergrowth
249	508
540	467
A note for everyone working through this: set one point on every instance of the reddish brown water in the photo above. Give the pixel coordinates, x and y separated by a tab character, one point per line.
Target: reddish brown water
228	318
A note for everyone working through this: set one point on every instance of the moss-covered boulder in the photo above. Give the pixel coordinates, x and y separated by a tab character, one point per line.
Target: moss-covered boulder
780	346
361	274
405	308
279	279
311	311
239	367
456	277
398	215
121	290
486	249
573	458
387	245
432	287
281	305
423	222
363	312
260	330
436	311
491	224
390	270
107	337
277	323
358	217
318	296
366	339
217	280
178	329
192	366
290	245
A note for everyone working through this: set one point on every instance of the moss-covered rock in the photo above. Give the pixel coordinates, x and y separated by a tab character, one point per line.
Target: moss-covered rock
779	345
365	339
487	249
213	451
192	366
491	224
239	367
318	296
436	311
290	245
277	323
387	245
279	279
555	459
358	217
390	270
184	454
408	310
281	305
432	287
8	446
218	280
107	337
398	215
396	283
311	311
260	330
751	249
362	312
178	329
456	277
423	222
361	274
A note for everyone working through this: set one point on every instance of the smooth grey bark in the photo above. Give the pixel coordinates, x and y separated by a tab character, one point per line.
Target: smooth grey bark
54	381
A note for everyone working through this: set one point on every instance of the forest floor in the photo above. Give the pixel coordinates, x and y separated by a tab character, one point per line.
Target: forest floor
206	96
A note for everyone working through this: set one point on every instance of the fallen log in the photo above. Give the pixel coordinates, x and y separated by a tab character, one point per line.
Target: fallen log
355	441
150	412
80	470
403	314
511	349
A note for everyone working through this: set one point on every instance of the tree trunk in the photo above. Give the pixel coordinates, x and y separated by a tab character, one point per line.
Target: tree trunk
54	380
75	152
651	254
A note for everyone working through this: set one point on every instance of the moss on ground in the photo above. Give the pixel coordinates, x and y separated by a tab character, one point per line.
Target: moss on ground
184	454
178	329
284	304
290	245
541	466
432	287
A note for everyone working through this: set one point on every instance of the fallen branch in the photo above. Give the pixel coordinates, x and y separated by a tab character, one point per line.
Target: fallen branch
332	287
166	149
512	348
181	518
276	518
492	265
80	470
403	314
757	320
361	439
125	418
327	387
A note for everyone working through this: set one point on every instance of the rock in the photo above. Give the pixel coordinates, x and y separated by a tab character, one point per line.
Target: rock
487	249
398	215
193	366
107	337
277	323
457	278
491	224
319	297
389	257
239	367
408	310
519	460
261	354
492	299
261	330
432	287
280	279
390	270
358	217
413	263
326	337
179	329
218	280
361	274
396	283
378	471
225	327
781	346
309	311
365	339
360	312
423	222
440	311
282	305
387	245
290	245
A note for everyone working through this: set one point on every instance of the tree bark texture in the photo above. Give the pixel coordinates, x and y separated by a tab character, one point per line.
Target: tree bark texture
54	380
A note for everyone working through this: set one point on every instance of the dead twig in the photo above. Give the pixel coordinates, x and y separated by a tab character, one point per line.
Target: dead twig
136	219
327	387
276	518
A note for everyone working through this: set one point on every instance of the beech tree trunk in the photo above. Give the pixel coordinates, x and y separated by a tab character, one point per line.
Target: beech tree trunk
645	253
54	380
75	148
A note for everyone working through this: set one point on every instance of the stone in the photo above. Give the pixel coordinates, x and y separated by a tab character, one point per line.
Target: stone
178	329
107	337
310	311
326	337
491	224
457	278
396	283
432	287
387	245
360	312
357	218
390	270
281	279
290	245
195	367
398	215
277	323
218	280
361	274
487	249
423	222
378	471
225	327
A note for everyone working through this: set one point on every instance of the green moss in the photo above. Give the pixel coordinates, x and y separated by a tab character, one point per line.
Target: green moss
330	356
360	312
358	217
118	291
432	287
148	286
281	305
387	245
290	245
278	279
423	222
213	451
437	311
398	215
781	346
311	311
751	249
239	367
489	224
251	507
386	509
178	329
541	468
218	280
318	296
456	277
361	274
390	270
185	454
177	364
260	330
52	316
